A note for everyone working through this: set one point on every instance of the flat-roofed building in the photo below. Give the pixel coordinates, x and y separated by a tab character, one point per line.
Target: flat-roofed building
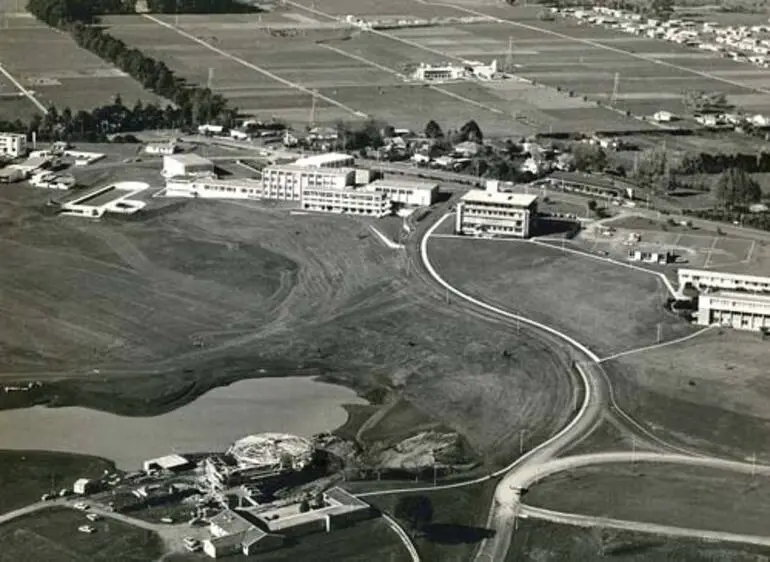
186	165
13	144
327	160
742	311
708	280
164	148
490	212
407	192
213	188
287	181
346	201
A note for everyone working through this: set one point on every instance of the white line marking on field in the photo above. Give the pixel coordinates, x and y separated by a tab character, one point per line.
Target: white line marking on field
27	94
750	252
657	345
256	68
385	240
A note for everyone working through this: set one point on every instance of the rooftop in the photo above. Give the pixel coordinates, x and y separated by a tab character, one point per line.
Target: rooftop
404	184
512	199
189	158
294	167
169	461
742	297
321	159
231	522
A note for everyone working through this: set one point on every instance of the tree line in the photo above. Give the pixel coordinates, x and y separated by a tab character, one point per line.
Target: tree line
192	104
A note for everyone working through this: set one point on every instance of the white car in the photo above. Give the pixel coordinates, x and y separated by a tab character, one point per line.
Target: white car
86	529
167	520
93	517
82	506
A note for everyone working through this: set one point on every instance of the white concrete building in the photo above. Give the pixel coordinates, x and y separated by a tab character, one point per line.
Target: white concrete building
13	144
407	192
286	182
489	212
708	280
742	311
327	160
163	148
186	165
346	201
213	188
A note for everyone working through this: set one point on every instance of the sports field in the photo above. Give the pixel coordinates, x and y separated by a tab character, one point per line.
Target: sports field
608	307
51	65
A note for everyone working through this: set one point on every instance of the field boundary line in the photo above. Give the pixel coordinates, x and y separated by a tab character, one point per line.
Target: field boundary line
385	240
256	68
599	46
27	94
661	276
657	345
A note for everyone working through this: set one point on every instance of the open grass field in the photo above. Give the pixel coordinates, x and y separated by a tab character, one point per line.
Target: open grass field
52	536
457	524
548	542
719	376
51	65
608	307
369	540
693	497
27	475
259	288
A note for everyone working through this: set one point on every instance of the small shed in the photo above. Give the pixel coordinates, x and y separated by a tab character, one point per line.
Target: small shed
171	463
83	486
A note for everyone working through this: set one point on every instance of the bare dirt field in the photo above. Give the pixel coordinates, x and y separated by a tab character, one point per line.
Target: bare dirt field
257	288
49	63
719	376
607	307
693	497
549	542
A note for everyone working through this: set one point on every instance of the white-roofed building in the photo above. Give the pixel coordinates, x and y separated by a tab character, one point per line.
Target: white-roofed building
186	165
168	462
328	160
286	182
164	148
706	279
213	188
490	212
407	192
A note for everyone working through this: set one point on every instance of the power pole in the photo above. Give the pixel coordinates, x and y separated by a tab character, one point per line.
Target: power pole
211	77
615	84
521	441
312	107
446	296
660	332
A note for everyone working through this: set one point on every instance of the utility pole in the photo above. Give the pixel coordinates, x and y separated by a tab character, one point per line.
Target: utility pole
508	64
660	332
615	83
521	441
312	108
211	77
446	296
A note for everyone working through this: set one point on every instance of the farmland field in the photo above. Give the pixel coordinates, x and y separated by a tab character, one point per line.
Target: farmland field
50	64
608	307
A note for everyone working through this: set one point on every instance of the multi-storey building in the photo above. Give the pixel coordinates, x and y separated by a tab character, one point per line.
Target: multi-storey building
348	201
490	212
287	181
742	311
706	280
13	144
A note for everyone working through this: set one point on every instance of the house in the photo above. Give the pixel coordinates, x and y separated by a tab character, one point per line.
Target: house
467	149
162	148
83	486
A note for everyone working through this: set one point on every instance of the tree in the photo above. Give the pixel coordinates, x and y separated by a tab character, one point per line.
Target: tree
417	511
662	9
589	157
735	188
433	130
591	205
470	132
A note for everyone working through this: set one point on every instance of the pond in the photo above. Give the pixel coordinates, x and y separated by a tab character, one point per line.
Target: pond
297	405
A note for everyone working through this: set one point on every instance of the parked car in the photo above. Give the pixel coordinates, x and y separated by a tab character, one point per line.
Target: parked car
93	517
88	529
46	497
82	506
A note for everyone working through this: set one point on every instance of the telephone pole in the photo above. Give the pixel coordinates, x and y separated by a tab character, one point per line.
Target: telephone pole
615	84
508	64
210	80
313	108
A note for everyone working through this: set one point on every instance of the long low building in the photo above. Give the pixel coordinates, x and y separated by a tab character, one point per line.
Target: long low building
489	212
705	280
407	192
213	188
742	311
346	201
